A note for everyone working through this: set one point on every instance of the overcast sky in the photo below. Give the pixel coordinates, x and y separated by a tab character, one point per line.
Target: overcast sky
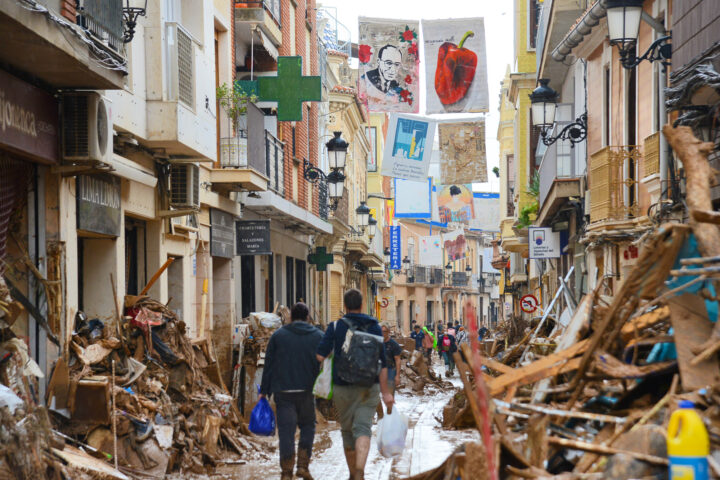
499	39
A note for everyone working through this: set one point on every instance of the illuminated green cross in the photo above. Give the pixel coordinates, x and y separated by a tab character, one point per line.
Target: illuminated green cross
321	258
290	89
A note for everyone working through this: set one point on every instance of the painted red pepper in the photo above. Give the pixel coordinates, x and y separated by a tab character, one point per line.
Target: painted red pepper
455	71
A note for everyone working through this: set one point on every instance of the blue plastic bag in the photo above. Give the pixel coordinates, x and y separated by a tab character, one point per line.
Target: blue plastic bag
262	418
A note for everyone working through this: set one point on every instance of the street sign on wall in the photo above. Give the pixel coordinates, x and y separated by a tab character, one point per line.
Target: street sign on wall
222	234
253	237
98	204
544	243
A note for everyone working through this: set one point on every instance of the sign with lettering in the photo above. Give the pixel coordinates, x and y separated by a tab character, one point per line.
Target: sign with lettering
253	237
222	234
98	204
28	119
395	248
544	243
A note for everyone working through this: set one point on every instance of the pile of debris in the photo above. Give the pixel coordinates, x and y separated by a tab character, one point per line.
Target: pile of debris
129	398
593	395
414	371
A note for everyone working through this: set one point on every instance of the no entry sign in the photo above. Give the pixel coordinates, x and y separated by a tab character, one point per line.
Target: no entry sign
528	303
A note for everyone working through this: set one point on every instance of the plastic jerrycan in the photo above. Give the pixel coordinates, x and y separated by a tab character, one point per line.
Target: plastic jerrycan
688	444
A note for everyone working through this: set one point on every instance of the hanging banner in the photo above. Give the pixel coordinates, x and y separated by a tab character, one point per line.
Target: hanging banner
389	65
454	243
431	251
395	248
389	211
408	148
455	65
487	212
462	152
455	203
412	199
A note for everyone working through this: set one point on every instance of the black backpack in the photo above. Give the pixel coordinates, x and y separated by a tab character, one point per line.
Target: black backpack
359	359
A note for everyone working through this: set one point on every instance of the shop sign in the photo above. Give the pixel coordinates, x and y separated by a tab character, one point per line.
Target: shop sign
98	204
544	243
253	237
395	248
222	234
28	119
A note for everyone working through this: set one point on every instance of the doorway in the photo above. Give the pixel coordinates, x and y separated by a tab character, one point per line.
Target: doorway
247	279
135	255
176	293
429	313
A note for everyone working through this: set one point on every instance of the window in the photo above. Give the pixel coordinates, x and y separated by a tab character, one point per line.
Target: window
292	26
534	10
606	107
289	279
411	250
371	133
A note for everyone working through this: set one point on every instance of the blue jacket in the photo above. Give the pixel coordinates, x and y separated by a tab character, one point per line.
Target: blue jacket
418	337
335	337
290	362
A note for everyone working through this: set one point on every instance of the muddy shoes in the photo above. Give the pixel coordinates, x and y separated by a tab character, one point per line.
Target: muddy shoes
286	466
303	464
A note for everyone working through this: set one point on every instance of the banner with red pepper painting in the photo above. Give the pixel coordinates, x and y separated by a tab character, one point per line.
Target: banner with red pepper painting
462	152
455	65
389	78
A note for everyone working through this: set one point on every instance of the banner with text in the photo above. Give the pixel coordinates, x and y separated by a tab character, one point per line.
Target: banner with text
408	148
395	248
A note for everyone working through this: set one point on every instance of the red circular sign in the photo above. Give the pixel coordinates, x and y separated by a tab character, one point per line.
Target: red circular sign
528	303
384	302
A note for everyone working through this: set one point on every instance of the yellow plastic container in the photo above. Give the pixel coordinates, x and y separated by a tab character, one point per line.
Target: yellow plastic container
688	444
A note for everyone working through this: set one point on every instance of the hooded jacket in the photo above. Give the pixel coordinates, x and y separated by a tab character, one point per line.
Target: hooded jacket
335	337
290	363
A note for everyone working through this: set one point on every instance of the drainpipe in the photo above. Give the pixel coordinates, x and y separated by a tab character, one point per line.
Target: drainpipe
664	187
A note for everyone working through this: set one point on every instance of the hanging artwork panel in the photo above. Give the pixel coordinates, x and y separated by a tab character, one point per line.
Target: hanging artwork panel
454	244
455	65
389	76
455	203
413	199
431	251
462	152
408	147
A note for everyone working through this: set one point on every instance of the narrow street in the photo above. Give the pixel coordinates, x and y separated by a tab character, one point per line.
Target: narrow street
428	444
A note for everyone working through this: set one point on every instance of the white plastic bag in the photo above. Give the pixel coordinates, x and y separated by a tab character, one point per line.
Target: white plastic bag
323	387
391	433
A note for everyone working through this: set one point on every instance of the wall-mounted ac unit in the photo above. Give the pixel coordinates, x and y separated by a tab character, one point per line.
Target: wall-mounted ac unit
185	186
86	127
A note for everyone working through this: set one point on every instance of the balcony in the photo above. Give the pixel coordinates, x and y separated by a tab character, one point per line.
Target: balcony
614	185
261	169
262	13
460	279
62	57
558	179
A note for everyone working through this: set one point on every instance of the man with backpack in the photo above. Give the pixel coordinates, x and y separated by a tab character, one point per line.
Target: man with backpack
359	365
447	346
289	374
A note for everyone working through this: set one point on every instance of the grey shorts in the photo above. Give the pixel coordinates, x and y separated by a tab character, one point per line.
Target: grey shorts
356	406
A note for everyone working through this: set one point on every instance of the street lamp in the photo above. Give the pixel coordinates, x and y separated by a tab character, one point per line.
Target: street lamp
372	227
543	104
623	19
386	255
337	151
335	180
131	11
363	215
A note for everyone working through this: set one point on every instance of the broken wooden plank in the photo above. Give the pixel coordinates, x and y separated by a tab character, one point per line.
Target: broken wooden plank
603	450
644	321
494	364
692	328
706	354
543	368
560	413
611	367
705	216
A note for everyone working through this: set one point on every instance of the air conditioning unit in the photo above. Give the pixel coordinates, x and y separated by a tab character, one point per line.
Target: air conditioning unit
185	186
86	127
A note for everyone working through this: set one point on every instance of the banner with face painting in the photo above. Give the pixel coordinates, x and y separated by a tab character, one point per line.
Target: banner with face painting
455	203
455	65
389	78
462	152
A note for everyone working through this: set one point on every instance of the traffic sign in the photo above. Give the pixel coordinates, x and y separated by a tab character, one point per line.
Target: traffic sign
528	303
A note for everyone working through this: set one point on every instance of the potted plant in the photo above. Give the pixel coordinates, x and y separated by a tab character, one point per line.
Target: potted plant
234	101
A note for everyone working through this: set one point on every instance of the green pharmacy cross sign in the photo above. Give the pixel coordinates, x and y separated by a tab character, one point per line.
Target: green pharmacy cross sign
320	258
289	89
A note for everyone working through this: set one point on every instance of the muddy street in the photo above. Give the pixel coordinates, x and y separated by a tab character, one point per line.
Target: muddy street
428	444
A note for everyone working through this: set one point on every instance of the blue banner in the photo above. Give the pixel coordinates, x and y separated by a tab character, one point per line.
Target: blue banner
395	249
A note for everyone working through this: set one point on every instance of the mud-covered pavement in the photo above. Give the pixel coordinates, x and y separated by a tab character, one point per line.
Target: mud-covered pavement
428	444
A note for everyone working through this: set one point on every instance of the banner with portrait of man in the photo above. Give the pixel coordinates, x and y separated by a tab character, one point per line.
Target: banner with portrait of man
389	76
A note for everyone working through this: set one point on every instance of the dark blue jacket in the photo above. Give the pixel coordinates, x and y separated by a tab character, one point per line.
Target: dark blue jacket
418	336
290	362
335	337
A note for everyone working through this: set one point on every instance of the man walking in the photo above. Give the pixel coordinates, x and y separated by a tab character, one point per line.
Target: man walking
429	342
393	352
418	336
289	374
355	390
447	348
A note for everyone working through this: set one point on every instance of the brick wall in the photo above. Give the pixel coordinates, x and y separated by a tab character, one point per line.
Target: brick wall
68	10
308	126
